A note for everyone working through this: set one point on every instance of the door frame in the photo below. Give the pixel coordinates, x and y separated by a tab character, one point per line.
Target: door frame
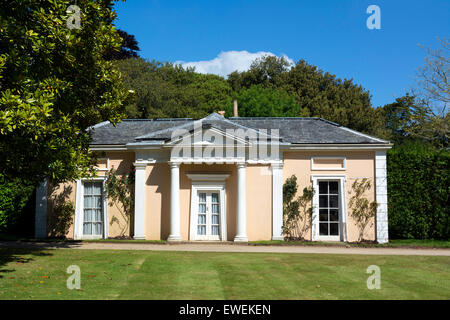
79	210
208	186
343	236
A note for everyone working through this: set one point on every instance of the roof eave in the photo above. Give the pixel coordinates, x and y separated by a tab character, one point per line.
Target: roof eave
340	146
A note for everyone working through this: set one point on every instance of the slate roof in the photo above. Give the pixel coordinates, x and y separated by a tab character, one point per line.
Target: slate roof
291	130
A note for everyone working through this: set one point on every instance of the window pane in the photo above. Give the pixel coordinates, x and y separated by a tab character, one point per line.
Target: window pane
87	228
88	188
323	187
334	202
202	208
215	219
334	187
98	202
201	230
323	229
201	219
215	197
215	208
334	215
323	215
334	229
87	215
97	229
97	188
202	197
87	202
323	201
215	230
98	215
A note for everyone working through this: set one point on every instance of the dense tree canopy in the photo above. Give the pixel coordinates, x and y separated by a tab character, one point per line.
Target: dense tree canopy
168	90
258	101
318	93
54	84
128	48
271	87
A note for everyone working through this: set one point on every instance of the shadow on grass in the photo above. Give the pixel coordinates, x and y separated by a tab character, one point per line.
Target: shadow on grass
16	255
21	250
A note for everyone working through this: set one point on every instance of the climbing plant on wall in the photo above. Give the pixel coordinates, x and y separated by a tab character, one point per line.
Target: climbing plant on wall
120	191
297	211
363	211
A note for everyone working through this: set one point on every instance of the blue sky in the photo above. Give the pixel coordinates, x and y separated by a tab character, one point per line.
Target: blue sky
330	34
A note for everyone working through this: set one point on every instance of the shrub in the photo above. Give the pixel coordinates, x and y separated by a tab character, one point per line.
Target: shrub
14	195
418	193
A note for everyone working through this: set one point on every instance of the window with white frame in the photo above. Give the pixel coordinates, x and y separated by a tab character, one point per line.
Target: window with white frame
93	209
329	208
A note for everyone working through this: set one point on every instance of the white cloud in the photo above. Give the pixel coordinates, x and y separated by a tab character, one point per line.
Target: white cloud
228	61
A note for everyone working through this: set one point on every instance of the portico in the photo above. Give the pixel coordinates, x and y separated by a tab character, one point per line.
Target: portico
229	193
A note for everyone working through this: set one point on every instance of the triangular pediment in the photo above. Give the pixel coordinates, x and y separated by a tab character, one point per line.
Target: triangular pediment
209	136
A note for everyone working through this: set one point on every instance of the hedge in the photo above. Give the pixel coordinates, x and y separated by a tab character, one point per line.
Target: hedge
418	193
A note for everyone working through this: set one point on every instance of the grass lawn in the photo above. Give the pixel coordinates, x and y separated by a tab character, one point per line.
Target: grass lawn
405	243
119	274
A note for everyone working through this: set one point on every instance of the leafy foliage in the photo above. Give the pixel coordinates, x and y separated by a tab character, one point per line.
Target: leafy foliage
418	193
362	210
258	101
297	212
128	48
120	190
13	198
271	87
266	71
318	93
54	84
168	90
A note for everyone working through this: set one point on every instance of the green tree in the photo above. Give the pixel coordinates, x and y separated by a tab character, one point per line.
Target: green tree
396	117
430	118
318	93
169	90
266	71
54	84
258	101
128	48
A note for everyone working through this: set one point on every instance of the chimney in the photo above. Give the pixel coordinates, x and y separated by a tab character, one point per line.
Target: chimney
222	113
235	108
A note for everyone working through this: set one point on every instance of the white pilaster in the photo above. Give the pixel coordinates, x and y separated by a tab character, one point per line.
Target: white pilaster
139	201
277	201
40	222
381	197
175	232
241	219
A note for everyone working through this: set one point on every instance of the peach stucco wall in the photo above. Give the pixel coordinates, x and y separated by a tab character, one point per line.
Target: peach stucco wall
360	164
259	193
120	161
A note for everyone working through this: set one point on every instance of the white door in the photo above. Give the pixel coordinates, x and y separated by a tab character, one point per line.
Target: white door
329	210
208	215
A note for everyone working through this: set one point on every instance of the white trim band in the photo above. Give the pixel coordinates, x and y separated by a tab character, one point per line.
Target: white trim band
381	197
